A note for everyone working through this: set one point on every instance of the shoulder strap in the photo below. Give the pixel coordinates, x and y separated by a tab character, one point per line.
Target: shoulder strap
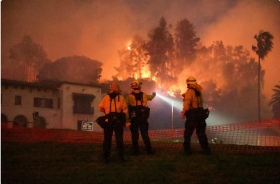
110	103
115	105
138	97
114	102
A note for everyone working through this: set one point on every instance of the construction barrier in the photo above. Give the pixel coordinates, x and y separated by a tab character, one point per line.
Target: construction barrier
259	135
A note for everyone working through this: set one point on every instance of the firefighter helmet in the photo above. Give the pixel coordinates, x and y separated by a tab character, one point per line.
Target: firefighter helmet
114	87
191	80
136	84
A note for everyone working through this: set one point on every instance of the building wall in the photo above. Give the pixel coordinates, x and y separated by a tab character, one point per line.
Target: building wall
57	117
69	119
8	107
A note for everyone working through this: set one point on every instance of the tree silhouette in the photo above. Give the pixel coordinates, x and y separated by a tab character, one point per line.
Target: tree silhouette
229	82
185	41
160	48
78	69
29	57
275	102
264	46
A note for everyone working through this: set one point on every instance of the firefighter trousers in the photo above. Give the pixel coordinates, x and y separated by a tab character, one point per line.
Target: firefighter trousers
141	124
107	142
200	127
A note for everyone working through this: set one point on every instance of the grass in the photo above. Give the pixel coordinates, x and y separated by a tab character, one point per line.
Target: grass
49	162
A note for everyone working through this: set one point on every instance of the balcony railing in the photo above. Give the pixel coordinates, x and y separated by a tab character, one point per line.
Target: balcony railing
79	110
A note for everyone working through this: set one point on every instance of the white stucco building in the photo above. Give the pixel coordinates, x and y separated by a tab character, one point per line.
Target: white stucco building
64	105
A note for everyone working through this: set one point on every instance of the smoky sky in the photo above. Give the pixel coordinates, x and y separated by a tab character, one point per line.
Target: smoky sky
99	28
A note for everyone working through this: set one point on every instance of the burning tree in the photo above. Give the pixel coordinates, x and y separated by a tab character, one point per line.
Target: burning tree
226	72
133	60
28	56
125	69
160	48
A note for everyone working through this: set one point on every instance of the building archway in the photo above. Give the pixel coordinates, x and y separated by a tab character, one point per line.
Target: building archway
20	120
4	118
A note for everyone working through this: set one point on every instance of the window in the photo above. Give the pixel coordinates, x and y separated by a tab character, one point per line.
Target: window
17	100
43	102
82	103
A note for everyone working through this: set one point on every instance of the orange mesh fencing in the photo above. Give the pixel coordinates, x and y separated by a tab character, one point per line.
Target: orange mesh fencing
263	135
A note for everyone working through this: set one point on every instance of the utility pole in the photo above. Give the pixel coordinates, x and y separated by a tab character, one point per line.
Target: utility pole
172	115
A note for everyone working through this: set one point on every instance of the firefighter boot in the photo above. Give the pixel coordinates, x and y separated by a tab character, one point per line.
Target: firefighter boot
187	148
135	147
149	148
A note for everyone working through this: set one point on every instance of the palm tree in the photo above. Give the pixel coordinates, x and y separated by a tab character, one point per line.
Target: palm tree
275	102
264	46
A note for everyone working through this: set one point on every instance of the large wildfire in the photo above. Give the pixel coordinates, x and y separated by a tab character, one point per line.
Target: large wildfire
169	89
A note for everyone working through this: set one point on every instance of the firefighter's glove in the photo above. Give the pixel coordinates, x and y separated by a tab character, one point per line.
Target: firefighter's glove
182	115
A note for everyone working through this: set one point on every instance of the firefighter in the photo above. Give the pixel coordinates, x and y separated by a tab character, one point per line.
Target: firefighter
139	114
114	106
192	102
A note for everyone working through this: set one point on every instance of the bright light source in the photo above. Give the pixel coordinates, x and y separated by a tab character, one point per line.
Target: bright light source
177	104
215	118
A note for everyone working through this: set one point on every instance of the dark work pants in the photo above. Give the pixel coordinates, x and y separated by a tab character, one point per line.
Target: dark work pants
140	123
200	127
107	142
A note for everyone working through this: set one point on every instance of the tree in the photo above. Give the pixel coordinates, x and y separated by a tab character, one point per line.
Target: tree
72	69
133	60
226	74
264	46
125	68
185	42
275	102
160	48
29	57
138	56
219	51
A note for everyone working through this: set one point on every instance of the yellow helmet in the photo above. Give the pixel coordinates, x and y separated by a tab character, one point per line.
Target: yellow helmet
136	84
191	80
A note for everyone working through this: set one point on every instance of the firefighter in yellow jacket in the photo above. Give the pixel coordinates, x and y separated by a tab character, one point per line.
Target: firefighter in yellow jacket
139	114
116	113
193	102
